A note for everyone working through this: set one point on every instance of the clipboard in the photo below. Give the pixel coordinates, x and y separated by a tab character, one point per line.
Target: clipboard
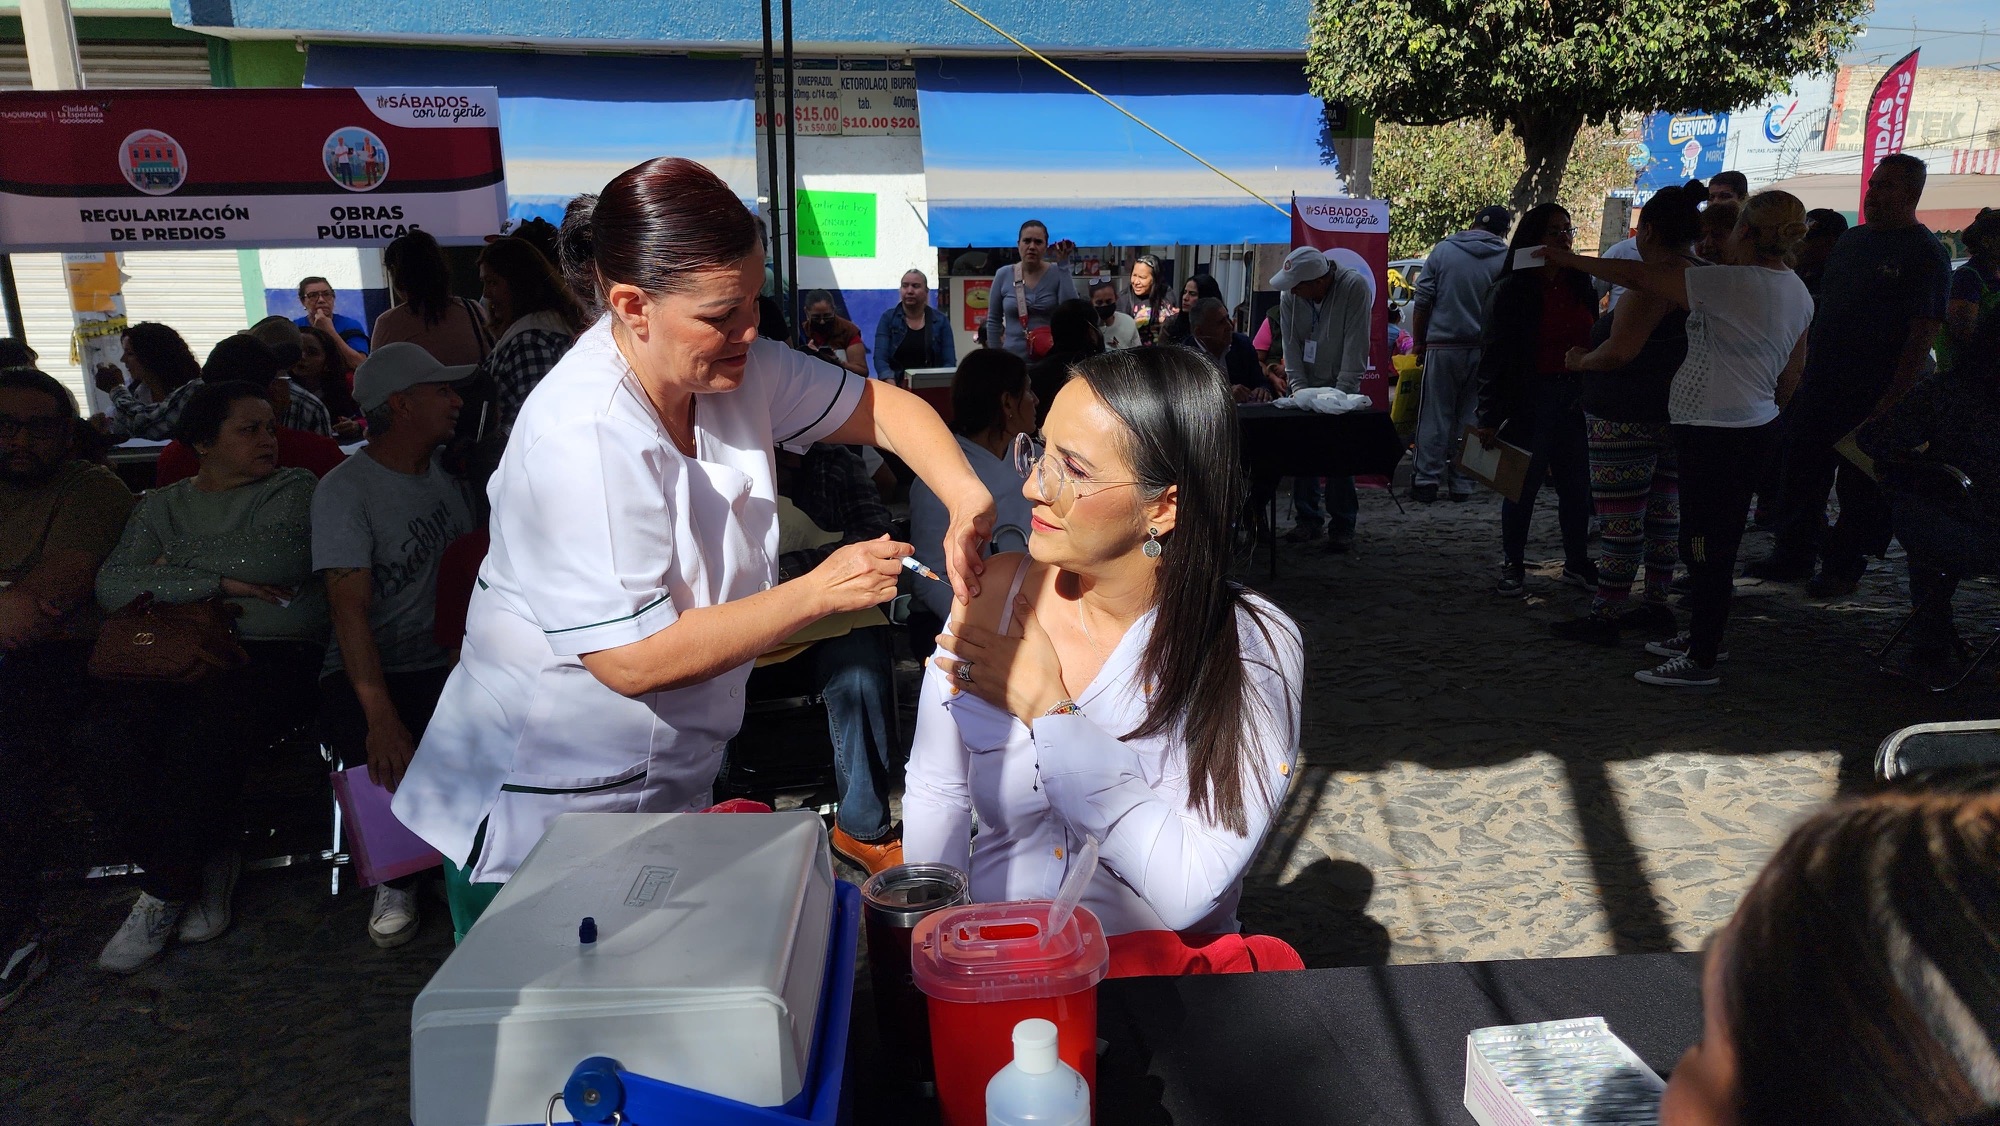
1850	448
1504	468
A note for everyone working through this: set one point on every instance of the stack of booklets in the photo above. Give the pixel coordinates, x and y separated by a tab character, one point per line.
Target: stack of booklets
1572	1071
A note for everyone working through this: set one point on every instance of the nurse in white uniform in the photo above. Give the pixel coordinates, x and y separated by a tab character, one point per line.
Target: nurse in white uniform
1112	682
632	575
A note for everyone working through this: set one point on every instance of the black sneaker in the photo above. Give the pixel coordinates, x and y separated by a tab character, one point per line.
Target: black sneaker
1424	494
1513	581
1773	569
1586	578
1680	672
1460	498
1303	533
1592	629
1677	646
1824	585
1651	617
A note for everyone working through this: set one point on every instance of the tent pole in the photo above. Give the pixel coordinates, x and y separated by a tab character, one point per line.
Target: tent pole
777	232
11	295
791	170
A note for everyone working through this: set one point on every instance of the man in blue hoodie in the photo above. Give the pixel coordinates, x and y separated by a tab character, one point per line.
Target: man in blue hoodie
1451	304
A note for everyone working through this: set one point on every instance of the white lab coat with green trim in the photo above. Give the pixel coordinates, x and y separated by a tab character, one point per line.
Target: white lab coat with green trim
603	534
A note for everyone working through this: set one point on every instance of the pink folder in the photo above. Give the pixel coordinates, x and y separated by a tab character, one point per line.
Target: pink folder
380	846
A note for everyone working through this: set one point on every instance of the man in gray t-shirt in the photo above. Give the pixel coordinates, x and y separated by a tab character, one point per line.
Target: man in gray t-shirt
381	523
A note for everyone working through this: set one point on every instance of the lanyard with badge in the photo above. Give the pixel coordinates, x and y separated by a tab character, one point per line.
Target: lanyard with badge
1312	332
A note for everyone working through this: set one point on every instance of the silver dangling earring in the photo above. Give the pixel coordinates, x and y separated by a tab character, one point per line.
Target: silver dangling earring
1151	548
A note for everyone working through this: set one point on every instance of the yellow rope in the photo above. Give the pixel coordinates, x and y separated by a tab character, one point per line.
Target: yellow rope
1114	105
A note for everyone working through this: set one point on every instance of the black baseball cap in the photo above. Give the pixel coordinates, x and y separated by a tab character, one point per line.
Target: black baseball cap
1496	219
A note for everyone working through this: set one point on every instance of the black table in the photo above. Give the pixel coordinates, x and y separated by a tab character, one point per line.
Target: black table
1369	1046
1280	442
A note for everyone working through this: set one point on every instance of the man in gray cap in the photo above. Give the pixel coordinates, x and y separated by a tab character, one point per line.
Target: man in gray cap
380	525
1325	310
1451	313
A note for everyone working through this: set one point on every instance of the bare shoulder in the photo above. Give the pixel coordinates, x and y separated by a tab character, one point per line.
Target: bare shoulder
990	604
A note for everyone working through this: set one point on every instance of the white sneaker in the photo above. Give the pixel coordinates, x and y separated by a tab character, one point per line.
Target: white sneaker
24	965
146	932
208	916
394	920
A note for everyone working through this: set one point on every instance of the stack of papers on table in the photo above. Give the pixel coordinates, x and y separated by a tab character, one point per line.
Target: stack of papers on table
1570	1071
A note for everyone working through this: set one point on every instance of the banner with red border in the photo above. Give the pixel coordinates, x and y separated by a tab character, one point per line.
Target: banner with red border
239	169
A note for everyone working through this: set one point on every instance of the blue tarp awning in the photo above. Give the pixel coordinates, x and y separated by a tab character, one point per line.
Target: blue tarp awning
568	124
1010	139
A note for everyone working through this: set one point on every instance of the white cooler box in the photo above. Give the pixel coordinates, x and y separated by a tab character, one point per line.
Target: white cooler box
712	939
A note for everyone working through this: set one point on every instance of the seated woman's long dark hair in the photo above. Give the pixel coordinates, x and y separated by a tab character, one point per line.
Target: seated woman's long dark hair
1862	976
1181	431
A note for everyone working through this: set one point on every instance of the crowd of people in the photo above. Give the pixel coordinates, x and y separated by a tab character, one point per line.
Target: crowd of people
657	480
1737	359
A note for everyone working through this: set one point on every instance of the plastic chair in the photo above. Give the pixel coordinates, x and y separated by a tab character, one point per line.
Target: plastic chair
1925	746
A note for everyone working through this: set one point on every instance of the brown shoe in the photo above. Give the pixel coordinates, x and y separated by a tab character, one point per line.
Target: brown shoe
875	856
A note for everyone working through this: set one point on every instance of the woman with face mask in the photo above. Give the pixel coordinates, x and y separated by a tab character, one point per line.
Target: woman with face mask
633	574
832	337
1113	682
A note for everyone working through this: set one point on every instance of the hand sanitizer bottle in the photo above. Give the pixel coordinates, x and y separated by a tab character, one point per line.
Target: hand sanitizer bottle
1037	1089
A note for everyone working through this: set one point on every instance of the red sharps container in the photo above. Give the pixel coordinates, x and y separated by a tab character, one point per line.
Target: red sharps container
894	901
985	969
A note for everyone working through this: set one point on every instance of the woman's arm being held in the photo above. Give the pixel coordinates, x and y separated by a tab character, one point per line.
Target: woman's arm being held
893	419
1637	316
1663	279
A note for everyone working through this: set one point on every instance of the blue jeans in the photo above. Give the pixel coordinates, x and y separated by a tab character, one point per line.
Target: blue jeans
1554	434
855	673
1316	499
1943	547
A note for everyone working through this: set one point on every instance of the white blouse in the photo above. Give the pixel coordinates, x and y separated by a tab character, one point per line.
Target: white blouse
603	534
1040	793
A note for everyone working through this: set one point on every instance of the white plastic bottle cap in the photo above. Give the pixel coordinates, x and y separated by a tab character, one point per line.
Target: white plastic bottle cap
1035	1046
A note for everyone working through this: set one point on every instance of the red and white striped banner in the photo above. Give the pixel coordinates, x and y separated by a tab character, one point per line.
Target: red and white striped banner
1978	162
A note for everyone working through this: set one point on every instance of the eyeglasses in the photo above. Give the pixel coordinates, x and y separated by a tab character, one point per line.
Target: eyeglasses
42	428
1052	481
1562	231
316	295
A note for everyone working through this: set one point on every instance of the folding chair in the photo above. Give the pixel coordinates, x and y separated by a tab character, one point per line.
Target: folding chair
1924	746
1947	485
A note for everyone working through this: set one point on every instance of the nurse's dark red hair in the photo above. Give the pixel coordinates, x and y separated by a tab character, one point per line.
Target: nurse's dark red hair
652	227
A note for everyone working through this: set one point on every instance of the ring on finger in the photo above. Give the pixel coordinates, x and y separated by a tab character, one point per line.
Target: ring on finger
964	672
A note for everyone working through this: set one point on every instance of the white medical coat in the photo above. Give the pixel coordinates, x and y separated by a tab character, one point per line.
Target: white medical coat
603	533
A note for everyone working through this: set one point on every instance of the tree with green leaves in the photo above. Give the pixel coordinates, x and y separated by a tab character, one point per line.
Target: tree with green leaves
1437	177
1547	68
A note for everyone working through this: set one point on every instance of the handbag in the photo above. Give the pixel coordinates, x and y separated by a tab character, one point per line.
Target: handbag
1040	340
161	642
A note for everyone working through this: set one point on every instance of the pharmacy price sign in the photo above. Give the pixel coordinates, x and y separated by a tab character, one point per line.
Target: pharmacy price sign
238	169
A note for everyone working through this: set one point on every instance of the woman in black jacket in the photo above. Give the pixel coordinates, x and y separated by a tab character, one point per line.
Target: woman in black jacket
1528	398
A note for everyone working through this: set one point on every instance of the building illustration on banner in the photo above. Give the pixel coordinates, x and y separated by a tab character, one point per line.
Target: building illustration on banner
153	162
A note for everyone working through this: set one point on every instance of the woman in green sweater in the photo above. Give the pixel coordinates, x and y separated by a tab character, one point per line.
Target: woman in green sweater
239	530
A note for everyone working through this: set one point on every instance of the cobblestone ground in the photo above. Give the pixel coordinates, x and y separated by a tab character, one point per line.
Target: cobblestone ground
1472	788
1475	788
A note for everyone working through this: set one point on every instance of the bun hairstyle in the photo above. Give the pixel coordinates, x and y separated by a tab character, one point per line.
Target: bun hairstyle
1776	224
1674	214
1982	235
653	226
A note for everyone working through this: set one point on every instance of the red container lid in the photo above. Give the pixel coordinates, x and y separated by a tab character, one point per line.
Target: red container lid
994	952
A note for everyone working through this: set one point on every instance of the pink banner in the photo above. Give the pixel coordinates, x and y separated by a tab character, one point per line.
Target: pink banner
1355	234
1888	117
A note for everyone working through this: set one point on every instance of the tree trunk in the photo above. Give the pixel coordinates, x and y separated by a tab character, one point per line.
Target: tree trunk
1547	136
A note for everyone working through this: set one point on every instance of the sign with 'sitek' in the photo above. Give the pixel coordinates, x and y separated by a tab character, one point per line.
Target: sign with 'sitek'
211	169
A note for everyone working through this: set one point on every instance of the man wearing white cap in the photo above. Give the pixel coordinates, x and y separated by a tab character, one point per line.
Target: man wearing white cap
1325	312
381	522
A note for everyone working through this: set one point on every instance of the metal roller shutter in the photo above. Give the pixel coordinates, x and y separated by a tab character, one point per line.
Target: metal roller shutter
198	292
